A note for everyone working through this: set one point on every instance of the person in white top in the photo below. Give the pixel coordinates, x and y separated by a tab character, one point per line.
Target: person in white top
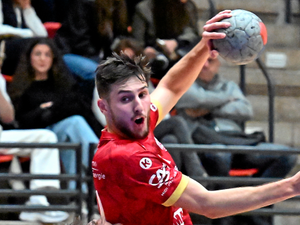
18	22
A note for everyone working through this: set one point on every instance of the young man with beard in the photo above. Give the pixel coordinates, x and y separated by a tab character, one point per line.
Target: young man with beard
135	176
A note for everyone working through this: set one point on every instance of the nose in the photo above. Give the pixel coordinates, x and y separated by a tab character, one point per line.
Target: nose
43	57
138	107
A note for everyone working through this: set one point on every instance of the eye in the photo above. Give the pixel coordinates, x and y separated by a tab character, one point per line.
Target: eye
37	53
143	94
49	54
125	99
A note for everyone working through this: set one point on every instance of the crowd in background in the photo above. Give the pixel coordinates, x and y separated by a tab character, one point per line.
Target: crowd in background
53	88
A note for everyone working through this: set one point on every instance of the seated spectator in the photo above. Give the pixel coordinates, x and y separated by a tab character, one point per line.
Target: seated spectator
86	36
175	130
91	26
45	96
42	161
165	28
18	23
214	109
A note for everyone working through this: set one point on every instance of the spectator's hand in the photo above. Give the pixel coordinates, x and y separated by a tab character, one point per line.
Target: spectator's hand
210	27
24	4
194	113
170	46
46	105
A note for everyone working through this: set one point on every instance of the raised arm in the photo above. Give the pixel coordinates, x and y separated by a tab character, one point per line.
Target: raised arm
222	203
182	75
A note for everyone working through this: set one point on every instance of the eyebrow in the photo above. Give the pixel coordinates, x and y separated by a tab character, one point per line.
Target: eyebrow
127	91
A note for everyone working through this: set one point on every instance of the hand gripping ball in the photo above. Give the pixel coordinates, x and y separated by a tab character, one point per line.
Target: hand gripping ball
245	38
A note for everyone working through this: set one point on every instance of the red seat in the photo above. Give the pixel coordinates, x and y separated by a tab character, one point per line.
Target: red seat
51	28
7	78
8	158
243	172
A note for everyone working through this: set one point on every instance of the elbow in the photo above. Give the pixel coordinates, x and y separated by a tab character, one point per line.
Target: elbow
7	119
210	209
210	213
8	116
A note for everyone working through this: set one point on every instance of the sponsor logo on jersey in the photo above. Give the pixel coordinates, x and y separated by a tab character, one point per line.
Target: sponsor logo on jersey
145	163
153	107
99	176
161	177
94	164
178	217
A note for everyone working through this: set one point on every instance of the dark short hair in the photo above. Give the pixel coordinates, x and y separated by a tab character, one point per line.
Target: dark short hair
119	68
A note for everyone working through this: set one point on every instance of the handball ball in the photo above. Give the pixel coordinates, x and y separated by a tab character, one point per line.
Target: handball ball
245	38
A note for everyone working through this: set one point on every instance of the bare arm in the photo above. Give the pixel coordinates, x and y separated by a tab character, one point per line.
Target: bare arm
35	26
181	76
216	204
7	114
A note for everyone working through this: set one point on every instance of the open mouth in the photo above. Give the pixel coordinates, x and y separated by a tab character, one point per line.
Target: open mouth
139	120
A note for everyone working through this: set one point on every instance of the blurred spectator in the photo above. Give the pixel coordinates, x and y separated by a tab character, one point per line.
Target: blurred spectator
167	29
87	34
91	26
18	23
128	45
42	161
214	109
45	97
131	4
175	130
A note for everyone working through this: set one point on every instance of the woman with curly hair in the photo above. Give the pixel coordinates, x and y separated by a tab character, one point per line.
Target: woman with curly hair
46	96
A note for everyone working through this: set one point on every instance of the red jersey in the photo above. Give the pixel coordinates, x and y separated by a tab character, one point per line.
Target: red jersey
138	181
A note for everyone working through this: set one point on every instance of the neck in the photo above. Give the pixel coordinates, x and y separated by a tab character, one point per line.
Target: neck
41	76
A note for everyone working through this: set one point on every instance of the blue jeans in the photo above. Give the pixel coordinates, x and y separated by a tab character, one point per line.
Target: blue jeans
74	129
81	66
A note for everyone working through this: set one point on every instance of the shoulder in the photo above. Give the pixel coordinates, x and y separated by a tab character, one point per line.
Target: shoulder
118	150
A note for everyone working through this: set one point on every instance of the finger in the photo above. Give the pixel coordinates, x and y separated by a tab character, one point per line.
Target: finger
213	35
221	15
216	25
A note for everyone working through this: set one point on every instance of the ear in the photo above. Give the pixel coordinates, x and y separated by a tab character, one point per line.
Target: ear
103	106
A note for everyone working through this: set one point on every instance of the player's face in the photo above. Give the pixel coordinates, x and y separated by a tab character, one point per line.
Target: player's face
128	109
41	60
209	70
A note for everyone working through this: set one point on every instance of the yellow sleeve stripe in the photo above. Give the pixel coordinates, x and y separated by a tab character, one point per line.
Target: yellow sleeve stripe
159	107
178	192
